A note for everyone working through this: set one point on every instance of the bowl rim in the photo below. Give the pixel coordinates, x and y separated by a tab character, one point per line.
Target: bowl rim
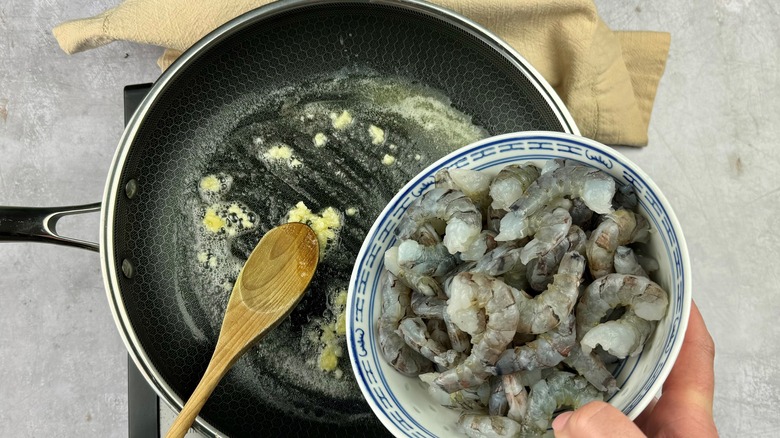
611	153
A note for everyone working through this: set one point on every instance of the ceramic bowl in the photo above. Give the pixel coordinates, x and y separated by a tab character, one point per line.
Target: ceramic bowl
403	403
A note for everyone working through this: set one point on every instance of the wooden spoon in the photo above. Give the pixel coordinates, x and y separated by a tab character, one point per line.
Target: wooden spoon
269	285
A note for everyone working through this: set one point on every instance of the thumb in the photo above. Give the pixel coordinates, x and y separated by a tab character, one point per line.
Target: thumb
595	420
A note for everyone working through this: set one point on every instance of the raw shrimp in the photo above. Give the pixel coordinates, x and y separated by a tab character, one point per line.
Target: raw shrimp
540	270
395	305
639	294
621	338
424	284
498	403
516	396
464	399
644	300
428	307
484	243
625	198
513	226
427	234
581	215
493	221
438	332
500	260
593	186
431	261
415	334
463	218
558	390
510	183
548	350
485	308
592	368
488	426
472	183
619	228
627	263
543	312
460	340
556	225
552	165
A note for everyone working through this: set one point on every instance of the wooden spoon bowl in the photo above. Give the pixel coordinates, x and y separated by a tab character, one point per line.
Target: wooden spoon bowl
270	284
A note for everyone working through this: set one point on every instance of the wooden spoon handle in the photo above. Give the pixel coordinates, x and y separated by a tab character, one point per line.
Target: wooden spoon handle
218	366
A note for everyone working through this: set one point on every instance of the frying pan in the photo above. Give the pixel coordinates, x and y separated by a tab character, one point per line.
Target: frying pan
202	117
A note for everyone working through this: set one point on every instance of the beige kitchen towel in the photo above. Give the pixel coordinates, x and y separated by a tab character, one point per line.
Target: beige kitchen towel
608	80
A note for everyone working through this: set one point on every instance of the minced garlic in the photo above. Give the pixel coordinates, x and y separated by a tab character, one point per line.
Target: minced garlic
320	139
342	120
325	225
377	134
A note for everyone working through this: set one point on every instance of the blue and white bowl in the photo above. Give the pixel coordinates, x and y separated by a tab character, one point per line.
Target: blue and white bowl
402	403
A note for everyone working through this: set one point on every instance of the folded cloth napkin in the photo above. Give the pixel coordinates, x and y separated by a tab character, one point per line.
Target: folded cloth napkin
608	80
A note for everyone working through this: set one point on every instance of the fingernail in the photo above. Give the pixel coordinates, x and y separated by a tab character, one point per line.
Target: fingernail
561	420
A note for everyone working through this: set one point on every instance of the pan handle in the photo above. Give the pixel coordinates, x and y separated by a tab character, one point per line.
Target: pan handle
39	224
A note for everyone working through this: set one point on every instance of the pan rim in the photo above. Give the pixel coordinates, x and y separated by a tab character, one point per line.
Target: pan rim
113	187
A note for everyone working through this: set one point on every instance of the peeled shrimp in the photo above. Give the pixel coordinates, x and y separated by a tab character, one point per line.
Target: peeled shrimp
415	334
513	226
543	312
485	242
432	260
540	270
592	368
424	284
640	295
460	340
510	183
558	390
463	218
395	305
619	228
593	186
438	332
484	308
428	307
488	426
626	262
498	261
494	216
621	338
625	198
472	183
464	399
548	350
552	165
498	403
556	225
516	396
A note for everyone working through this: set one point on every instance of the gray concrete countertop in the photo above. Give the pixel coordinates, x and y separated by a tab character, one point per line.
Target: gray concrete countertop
712	151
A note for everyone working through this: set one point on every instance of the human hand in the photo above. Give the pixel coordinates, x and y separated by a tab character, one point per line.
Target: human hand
685	406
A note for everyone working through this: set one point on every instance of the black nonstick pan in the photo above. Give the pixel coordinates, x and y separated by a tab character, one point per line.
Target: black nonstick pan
329	104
